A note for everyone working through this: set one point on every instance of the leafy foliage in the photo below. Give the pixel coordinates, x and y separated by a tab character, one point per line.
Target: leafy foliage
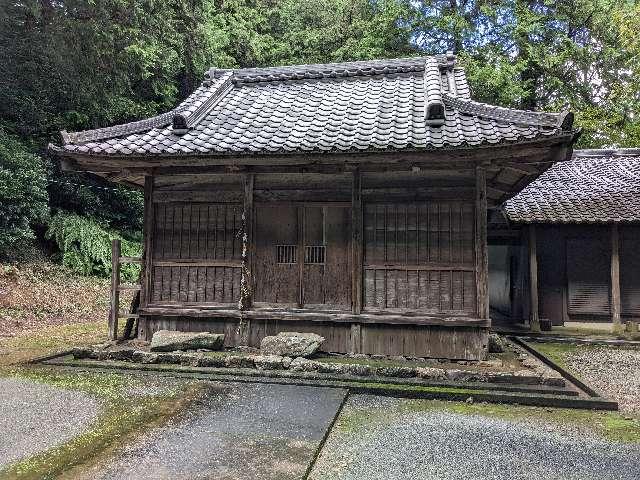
23	193
86	246
80	64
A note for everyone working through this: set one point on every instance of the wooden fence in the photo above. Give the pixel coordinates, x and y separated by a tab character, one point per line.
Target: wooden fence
115	314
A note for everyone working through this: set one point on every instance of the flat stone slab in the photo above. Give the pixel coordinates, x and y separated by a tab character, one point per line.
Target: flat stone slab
240	431
291	344
378	438
35	417
169	341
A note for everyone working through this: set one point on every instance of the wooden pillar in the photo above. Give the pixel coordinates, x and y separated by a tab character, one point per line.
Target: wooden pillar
114	306
300	259
534	318
249	244
147	253
356	242
481	249
615	277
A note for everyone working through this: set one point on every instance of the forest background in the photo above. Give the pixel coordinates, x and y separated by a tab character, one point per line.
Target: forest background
82	64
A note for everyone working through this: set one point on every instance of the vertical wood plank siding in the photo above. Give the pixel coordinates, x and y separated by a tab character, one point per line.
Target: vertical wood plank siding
197	253
420	256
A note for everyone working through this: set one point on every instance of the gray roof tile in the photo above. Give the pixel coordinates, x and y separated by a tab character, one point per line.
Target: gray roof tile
596	186
354	106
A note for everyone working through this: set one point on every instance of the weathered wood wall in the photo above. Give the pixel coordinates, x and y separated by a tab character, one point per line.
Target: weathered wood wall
414	252
420	256
196	253
468	343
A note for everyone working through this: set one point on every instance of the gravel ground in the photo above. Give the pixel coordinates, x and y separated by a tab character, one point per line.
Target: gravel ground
239	431
614	371
35	417
373	440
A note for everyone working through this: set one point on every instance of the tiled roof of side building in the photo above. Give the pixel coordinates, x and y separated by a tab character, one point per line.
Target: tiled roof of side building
398	104
595	186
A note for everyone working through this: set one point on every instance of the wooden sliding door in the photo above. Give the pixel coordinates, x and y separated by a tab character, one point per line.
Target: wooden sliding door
302	256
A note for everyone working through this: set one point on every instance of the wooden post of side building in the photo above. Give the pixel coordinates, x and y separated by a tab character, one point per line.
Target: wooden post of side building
615	278
114	307
534	319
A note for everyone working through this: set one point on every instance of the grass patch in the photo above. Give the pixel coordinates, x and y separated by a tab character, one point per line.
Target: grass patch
124	417
34	343
369	362
558	352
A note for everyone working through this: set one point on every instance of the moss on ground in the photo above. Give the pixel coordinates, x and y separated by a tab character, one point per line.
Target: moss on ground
368	361
124	416
593	333
509	360
31	344
558	352
609	425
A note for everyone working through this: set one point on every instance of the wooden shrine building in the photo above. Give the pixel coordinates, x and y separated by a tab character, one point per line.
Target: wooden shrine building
570	250
344	199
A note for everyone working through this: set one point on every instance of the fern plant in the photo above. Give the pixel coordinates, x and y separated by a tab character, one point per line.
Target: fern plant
85	246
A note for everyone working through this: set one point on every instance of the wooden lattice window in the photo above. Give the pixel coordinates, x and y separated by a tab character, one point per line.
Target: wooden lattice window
287	254
314	254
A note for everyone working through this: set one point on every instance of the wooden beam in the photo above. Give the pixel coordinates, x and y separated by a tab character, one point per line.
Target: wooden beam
114	306
481	253
147	252
356	242
294	315
534	318
189	196
615	278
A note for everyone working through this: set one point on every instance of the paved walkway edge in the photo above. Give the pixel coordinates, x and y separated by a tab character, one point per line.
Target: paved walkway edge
550	363
316	454
458	393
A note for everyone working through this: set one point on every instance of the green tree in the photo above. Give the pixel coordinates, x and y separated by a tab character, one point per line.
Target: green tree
23	194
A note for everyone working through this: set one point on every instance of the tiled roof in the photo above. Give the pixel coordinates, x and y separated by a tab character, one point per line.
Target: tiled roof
595	186
411	103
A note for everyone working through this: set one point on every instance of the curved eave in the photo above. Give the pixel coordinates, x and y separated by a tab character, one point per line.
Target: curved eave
542	139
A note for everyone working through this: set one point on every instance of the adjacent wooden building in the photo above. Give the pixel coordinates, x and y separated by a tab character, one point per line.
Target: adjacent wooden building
572	243
344	199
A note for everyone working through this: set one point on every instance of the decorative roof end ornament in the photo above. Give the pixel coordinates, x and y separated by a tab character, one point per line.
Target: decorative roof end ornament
434	112
217	84
565	121
66	137
212	74
180	126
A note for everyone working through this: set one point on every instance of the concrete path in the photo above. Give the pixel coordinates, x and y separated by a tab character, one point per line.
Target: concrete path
35	417
390	439
239	431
